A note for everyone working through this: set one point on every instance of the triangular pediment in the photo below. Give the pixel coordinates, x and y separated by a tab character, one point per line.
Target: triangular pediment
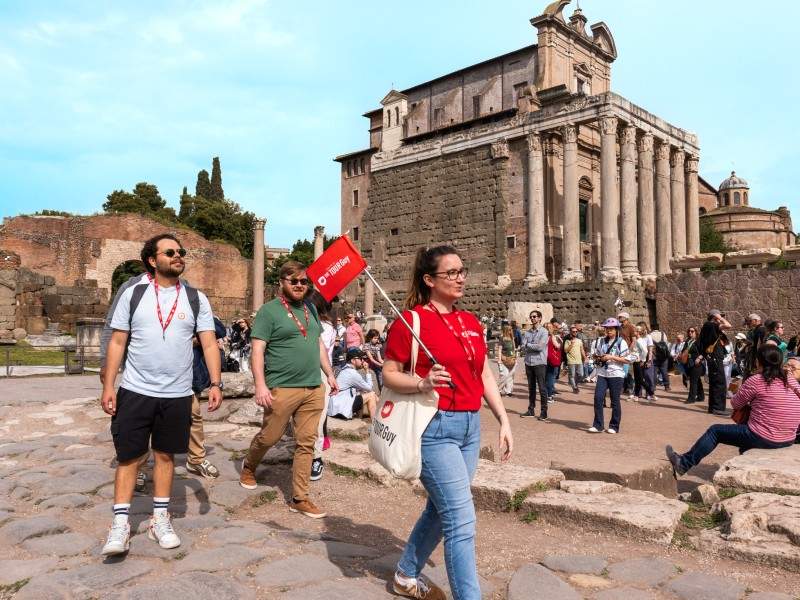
393	96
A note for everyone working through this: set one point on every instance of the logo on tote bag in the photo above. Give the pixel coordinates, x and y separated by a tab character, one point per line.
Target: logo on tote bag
387	409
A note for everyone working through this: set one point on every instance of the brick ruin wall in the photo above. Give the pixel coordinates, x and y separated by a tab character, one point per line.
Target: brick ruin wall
69	253
683	299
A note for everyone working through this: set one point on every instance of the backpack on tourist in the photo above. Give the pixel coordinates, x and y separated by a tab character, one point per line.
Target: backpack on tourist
661	351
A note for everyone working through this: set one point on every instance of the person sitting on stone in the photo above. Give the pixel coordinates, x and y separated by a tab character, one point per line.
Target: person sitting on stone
355	396
774	402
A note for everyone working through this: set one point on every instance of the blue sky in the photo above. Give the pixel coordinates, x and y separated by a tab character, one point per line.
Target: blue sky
98	96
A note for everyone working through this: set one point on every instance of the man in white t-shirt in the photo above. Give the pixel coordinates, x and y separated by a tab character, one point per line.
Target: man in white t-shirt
154	323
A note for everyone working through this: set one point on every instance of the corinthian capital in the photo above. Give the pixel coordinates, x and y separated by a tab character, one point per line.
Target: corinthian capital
570	134
691	163
646	142
662	150
676	161
534	142
500	149
629	135
259	223
608	125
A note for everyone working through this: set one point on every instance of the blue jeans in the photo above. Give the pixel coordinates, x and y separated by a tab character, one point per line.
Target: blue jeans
550	378
614	387
575	374
662	370
733	435
450	448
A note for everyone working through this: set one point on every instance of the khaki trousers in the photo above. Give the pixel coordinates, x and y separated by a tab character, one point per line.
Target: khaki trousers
197	449
305	405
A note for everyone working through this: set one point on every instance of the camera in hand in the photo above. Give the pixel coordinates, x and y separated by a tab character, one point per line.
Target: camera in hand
598	362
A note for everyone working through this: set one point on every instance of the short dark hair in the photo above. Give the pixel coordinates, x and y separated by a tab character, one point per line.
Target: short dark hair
150	249
538	313
291	267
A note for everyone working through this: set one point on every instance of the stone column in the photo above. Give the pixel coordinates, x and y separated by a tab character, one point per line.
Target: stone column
536	266
571	250
692	207
258	263
319	239
678	203
630	254
609	200
369	297
647	217
663	216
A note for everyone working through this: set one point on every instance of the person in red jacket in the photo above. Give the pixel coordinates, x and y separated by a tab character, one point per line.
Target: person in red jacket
451	442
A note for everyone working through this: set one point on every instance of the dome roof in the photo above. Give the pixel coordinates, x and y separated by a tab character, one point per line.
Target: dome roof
733	182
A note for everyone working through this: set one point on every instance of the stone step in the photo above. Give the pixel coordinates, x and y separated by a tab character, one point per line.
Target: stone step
636	473
776	471
352	430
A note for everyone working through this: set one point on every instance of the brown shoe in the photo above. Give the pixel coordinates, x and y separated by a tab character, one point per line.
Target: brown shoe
421	588
248	477
307	508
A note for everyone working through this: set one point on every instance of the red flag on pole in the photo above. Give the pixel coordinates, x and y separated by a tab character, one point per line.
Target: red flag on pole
336	268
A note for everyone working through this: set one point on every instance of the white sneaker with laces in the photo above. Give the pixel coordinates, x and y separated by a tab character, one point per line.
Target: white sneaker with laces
593	430
416	588
612	431
119	539
161	530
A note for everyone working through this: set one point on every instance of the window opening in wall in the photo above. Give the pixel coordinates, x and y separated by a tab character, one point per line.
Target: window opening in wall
736	198
476	106
438	116
745	197
725	199
388	118
702	211
511	242
519	89
355	234
583	212
396	115
355	198
491	108
394	231
362	166
349	168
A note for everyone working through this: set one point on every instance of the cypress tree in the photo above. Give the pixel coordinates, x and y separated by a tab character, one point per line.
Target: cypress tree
203	187
216	181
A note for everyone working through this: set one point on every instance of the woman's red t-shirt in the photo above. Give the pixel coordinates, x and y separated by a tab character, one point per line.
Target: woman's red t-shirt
448	352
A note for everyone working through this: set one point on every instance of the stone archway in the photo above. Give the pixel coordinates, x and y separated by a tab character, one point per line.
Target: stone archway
123	272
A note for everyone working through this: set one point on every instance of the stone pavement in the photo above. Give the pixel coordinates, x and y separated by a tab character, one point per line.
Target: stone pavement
56	485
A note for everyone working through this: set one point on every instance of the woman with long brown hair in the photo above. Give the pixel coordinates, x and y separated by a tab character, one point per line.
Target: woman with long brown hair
451	442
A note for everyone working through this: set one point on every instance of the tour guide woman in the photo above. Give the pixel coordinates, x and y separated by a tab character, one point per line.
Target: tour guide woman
451	442
610	359
774	401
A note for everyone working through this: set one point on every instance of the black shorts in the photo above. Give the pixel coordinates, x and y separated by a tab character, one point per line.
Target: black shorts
138	418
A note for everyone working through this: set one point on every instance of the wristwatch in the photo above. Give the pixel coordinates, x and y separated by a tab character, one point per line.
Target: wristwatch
219	384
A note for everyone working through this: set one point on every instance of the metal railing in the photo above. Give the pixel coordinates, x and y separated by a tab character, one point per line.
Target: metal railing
72	358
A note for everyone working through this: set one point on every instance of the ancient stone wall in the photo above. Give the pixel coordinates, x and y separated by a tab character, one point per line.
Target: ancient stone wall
9	266
683	299
78	249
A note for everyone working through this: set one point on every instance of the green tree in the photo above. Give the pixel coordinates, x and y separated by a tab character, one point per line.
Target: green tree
216	181
203	186
124	272
711	240
302	251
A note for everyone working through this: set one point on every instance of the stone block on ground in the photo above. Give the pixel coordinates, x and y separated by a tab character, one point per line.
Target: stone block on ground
222	413
66	501
12	571
143	546
63	544
16	532
759	527
692	586
776	471
85	581
624	593
351	430
769	596
197	586
534	581
642	571
218	559
705	494
248	414
575	563
230	494
636	473
633	513
237	385
296	570
495	485
335	549
354	459
352	589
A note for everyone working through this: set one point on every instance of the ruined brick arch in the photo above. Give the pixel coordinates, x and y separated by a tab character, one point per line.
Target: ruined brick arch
78	249
125	271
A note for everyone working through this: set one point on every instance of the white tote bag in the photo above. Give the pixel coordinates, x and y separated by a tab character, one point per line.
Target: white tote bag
401	419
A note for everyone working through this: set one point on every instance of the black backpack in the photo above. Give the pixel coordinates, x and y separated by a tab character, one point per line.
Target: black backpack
661	351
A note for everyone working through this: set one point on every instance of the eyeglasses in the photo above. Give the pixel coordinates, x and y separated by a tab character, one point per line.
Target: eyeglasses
532	317
172	252
453	274
296	281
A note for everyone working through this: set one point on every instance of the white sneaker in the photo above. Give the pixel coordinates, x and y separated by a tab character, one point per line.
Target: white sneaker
610	430
119	539
593	430
161	530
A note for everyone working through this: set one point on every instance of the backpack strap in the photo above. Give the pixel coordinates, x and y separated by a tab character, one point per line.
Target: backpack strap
313	310
136	298
194	302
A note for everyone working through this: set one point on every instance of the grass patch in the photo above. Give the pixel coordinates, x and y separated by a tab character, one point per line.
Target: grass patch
682	540
264	498
515	503
237	455
679	569
700	517
605	573
180	555
344	471
725	493
347	436
529	517
23	354
6	591
539	487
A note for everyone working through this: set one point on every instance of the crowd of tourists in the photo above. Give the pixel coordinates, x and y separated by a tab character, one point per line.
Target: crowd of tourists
310	364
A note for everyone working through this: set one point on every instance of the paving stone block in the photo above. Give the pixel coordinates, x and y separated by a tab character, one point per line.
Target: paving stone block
66	501
625	593
83	582
335	549
495	485
197	586
63	544
534	581
219	559
642	571
12	571
295	571
575	563
352	589
700	586
20	530
142	546
776	471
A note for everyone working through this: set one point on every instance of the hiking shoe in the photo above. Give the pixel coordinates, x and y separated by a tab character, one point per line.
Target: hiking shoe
119	539
593	430
675	461
551	400
651	398
722	413
141	482
416	588
575	389
307	508
161	530
527	413
204	469
611	430
247	479
543	418
326	443
316	469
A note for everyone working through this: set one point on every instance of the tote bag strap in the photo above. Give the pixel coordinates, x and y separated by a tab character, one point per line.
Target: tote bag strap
414	342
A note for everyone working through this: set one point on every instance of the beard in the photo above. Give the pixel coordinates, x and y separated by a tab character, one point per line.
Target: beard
171	270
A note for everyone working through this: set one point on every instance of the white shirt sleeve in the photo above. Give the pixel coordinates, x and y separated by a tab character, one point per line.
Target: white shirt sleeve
121	318
205	319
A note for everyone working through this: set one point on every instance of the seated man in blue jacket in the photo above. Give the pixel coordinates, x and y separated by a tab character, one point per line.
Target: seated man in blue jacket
355	397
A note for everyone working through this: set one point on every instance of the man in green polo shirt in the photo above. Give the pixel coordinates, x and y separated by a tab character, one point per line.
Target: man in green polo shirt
287	331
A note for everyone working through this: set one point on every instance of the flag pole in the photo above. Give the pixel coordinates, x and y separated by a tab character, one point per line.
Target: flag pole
401	317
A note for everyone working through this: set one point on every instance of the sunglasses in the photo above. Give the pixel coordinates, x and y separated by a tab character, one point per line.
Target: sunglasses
295	281
172	252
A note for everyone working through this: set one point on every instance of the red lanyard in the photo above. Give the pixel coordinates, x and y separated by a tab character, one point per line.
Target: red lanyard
467	346
294	318
158	306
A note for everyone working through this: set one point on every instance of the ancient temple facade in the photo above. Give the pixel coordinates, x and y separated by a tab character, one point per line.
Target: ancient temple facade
549	183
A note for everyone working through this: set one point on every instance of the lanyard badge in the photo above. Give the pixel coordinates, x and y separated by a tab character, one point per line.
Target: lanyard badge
465	340
158	306
292	316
